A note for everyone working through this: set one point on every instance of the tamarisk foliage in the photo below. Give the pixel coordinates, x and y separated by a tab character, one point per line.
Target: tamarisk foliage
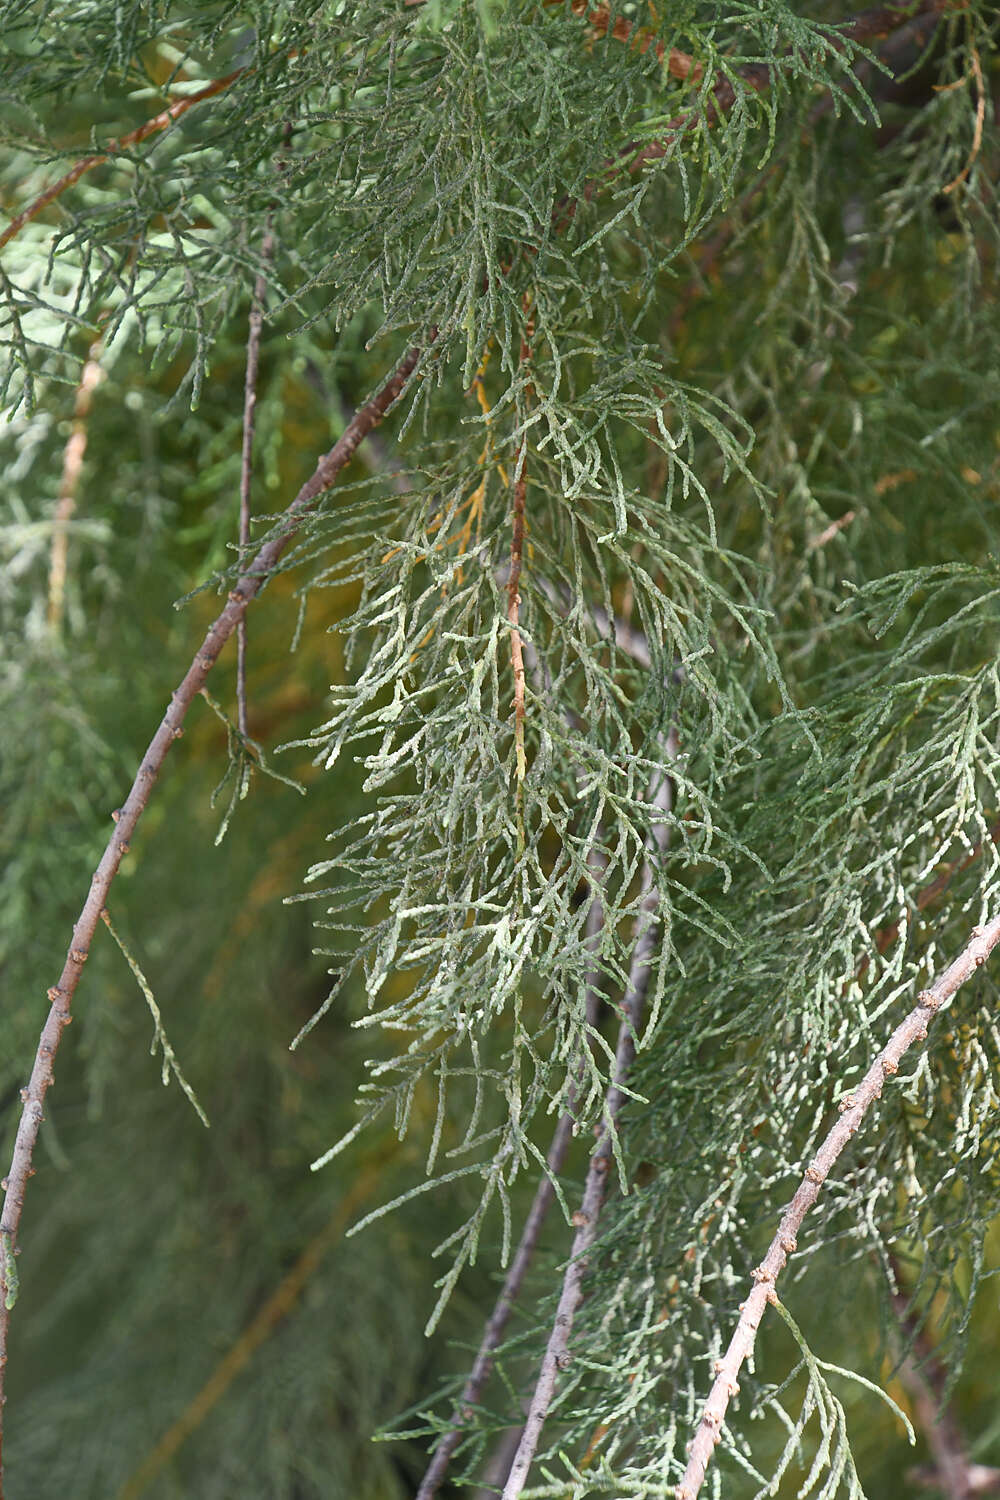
683	328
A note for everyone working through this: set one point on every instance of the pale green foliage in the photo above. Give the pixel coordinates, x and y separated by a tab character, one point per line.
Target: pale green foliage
779	461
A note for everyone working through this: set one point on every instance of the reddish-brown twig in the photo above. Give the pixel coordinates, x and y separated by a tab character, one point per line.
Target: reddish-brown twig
852	1111
132	138
513	615
513	586
61	995
868	26
587	1217
90	378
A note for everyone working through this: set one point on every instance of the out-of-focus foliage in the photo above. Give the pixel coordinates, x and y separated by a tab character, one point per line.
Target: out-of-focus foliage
751	387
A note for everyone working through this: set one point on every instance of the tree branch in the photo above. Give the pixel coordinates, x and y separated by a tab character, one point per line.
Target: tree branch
141	133
587	1218
853	1108
248	585
868	26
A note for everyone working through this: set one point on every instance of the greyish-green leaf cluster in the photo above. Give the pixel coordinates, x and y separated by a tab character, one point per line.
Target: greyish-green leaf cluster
703	437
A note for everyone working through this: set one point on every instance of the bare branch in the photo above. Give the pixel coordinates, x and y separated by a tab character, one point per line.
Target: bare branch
587	1218
127	817
852	1111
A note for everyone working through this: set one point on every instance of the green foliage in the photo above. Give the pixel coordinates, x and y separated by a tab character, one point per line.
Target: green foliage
749	386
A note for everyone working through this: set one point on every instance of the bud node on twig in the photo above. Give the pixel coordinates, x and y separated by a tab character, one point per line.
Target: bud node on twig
78	955
927	1000
848	1102
814	1174
888	1066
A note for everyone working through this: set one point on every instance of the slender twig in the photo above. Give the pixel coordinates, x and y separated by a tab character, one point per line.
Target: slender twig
127	817
90	378
132	138
513	614
852	1111
587	1217
256	322
524	1254
977	134
886	936
868	26
513	588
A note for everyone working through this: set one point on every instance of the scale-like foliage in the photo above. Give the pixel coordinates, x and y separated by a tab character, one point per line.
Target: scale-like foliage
696	476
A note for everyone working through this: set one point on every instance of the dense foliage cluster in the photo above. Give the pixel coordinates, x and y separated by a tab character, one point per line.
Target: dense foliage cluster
695	482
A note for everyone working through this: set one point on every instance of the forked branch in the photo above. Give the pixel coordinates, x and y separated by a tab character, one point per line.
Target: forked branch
852	1111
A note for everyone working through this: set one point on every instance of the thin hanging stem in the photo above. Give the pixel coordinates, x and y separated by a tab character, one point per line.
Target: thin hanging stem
541	1203
852	1111
587	1218
87	163
127	817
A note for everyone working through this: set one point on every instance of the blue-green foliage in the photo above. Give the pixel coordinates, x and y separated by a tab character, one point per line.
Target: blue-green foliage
750	388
